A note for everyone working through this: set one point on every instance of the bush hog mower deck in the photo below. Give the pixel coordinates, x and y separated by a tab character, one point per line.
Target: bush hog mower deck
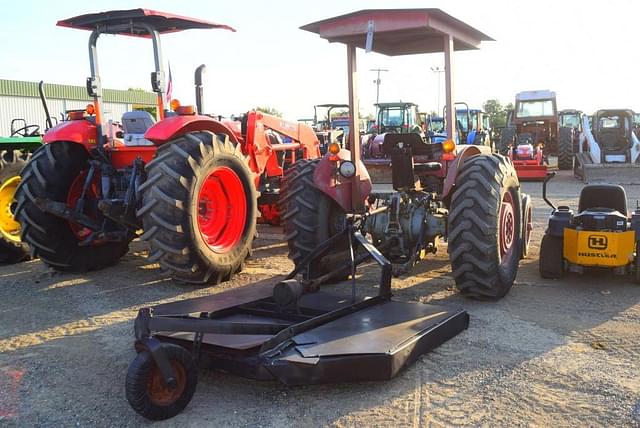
189	181
598	236
296	332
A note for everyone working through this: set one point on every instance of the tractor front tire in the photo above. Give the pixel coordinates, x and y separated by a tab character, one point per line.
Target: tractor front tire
311	217
485	227
551	257
50	174
199	208
565	148
507	137
12	249
146	391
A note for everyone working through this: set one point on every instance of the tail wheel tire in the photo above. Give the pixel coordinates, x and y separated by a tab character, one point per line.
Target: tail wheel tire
485	227
565	148
146	390
551	257
12	249
199	208
51	174
527	224
507	136
311	217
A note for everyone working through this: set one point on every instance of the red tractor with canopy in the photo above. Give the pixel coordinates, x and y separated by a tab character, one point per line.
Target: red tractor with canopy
189	181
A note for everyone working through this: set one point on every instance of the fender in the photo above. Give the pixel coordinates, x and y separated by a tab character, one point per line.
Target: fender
452	168
81	132
327	179
175	126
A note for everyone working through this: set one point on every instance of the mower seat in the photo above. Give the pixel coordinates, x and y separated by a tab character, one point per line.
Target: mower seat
135	124
603	196
602	207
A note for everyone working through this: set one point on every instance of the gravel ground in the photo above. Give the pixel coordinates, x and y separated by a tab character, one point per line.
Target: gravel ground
552	353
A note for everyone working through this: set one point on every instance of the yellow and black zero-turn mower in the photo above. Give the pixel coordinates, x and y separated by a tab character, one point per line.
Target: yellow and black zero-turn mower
599	235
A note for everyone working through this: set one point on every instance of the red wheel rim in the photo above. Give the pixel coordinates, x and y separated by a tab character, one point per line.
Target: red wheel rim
75	191
159	393
222	209
507	225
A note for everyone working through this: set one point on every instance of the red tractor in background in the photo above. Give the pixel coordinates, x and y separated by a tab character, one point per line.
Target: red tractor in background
189	181
528	159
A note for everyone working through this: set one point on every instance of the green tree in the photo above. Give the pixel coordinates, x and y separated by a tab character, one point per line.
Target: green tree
497	112
269	110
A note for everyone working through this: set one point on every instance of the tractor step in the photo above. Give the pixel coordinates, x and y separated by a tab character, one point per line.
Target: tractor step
373	339
612	173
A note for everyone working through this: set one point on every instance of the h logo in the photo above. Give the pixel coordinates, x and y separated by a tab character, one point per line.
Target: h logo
598	242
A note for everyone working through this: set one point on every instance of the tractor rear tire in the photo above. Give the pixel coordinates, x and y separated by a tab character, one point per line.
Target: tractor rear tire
12	249
50	174
145	389
551	257
485	227
311	217
565	148
507	136
199	208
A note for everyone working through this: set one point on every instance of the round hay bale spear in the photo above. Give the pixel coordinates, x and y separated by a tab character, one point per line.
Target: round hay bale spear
189	181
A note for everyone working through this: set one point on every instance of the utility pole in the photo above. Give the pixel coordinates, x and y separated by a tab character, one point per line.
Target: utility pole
377	82
439	72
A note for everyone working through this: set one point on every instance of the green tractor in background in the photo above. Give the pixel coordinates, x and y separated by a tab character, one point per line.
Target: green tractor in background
15	152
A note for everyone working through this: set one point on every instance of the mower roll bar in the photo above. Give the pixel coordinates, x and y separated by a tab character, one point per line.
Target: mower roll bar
544	189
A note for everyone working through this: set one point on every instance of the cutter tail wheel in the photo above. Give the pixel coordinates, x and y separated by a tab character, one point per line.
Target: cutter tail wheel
12	249
199	208
53	173
565	148
311	217
527	224
146	390
551	257
485	227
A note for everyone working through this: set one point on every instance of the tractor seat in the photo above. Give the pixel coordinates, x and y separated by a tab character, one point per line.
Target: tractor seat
134	125
609	196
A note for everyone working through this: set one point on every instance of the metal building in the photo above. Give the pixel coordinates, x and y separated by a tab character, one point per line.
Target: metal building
19	99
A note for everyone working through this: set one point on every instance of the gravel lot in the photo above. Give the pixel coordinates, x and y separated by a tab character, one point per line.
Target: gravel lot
552	353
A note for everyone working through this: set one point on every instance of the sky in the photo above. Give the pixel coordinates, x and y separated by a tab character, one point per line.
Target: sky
582	50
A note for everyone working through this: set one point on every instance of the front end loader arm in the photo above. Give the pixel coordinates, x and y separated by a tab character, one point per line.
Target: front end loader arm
261	148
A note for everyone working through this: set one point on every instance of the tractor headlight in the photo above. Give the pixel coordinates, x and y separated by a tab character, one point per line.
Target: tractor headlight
347	169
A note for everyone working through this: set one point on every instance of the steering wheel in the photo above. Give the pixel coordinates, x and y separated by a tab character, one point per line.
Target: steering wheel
25	131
